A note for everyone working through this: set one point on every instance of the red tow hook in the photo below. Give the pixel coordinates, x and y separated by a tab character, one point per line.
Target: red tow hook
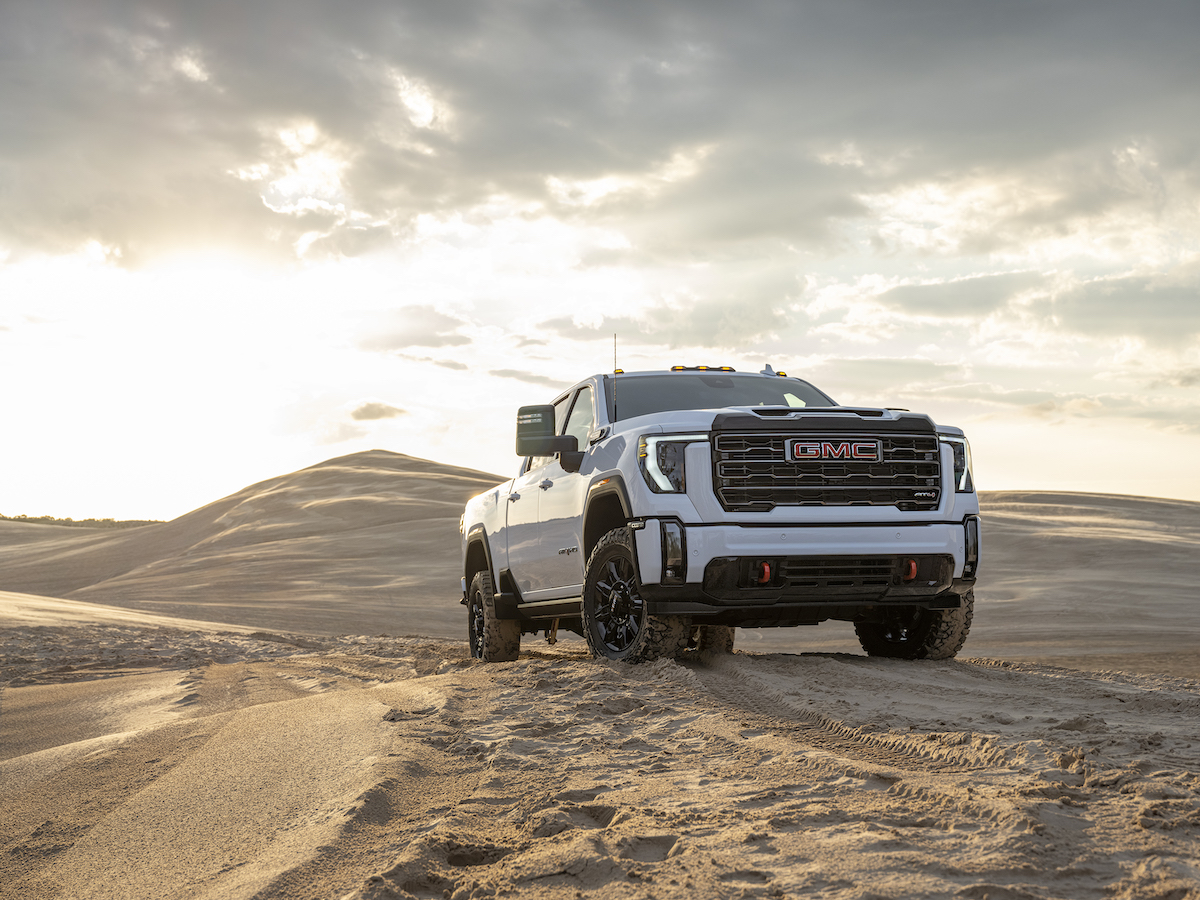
910	570
764	572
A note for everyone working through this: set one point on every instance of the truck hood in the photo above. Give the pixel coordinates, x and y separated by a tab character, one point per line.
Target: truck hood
757	418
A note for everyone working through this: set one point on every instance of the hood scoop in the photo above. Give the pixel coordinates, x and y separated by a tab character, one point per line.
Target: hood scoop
765	412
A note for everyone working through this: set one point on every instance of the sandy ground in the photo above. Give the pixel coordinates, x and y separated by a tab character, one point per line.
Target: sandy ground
150	749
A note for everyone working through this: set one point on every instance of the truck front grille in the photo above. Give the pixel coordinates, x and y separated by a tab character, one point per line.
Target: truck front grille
751	473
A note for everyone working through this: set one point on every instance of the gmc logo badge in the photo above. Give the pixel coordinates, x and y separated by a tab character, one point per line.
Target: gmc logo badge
861	451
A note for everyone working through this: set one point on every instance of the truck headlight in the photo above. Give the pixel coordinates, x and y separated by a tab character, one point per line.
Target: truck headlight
661	459
964	483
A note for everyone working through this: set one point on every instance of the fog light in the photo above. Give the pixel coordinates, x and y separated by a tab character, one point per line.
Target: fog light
674	559
971	524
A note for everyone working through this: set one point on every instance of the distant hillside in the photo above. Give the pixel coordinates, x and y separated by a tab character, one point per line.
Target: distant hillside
369	544
81	523
365	543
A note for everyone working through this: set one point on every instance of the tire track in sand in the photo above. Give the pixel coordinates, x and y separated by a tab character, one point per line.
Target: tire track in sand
730	684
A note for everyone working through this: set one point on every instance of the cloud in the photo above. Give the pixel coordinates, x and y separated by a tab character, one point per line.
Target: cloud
1184	378
757	305
339	432
1059	406
414	326
690	126
960	298
1163	308
879	381
529	377
451	364
373	410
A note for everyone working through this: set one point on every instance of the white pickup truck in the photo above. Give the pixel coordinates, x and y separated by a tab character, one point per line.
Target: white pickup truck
654	512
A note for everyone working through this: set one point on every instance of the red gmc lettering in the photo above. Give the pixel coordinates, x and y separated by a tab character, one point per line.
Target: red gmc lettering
830	450
865	450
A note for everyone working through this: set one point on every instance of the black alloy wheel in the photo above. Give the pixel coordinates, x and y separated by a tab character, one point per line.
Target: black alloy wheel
616	620
476	625
619	606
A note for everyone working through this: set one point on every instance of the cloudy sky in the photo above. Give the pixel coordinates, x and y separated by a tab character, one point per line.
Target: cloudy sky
240	238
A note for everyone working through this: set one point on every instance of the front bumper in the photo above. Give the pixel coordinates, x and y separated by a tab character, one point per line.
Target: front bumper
751	575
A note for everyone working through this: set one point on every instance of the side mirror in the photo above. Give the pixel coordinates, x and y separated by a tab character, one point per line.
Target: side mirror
535	433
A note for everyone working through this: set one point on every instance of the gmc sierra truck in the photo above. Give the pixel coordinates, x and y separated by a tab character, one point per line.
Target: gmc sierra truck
654	512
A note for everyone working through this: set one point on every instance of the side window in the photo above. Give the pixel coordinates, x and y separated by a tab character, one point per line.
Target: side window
560	415
582	419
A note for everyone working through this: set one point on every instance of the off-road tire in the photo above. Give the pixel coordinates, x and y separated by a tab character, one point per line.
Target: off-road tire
615	622
711	640
919	633
491	638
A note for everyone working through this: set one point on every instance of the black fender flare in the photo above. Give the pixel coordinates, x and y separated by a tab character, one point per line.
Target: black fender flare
506	603
479	533
610	485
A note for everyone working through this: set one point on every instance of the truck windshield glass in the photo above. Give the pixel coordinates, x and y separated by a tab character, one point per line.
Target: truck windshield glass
646	394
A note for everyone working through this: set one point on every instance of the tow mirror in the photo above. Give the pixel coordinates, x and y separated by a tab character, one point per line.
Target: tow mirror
535	433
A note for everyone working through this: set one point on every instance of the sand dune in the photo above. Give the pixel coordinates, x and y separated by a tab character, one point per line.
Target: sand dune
219	726
1091	579
369	543
364	543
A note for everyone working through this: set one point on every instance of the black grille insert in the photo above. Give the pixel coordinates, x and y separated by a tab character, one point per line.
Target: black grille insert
740	579
752	473
839	571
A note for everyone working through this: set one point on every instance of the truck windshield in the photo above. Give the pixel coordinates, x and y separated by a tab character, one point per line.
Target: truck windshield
642	395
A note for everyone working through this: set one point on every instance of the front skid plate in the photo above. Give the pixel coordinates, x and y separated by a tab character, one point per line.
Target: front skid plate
690	601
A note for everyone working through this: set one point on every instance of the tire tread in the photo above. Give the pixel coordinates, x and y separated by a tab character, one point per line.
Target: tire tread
501	637
660	636
945	633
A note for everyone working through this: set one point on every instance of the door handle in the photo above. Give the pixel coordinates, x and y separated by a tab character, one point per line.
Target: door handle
546	485
513	498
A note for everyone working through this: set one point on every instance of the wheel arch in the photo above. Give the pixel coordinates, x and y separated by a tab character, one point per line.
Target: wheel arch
479	555
607	507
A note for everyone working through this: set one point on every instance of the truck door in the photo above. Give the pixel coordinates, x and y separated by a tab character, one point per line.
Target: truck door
525	556
561	505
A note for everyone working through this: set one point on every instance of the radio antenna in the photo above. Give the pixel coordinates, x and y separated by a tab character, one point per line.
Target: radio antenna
615	371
